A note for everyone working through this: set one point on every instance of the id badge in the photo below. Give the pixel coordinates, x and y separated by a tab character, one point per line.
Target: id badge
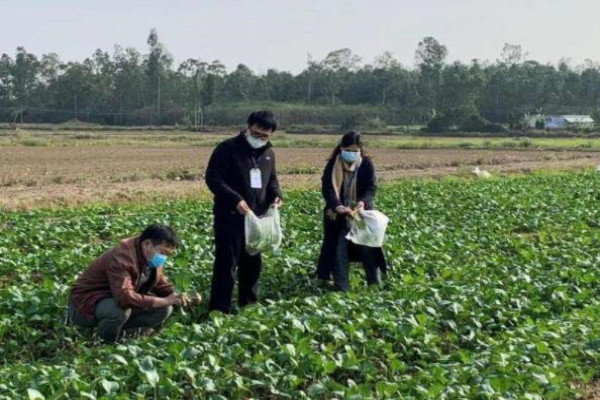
255	178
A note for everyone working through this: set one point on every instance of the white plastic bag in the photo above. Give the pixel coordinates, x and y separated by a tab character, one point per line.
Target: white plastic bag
482	174
368	229
263	234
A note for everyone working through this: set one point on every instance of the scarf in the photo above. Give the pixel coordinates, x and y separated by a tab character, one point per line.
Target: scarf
340	168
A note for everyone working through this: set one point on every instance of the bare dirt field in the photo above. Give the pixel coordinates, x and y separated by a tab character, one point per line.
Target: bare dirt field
71	175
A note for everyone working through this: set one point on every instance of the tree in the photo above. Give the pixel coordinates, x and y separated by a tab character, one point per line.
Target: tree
342	59
129	79
512	54
157	63
103	75
461	90
429	57
430	53
277	85
6	81
337	66
312	73
75	87
50	67
192	75
239	84
131	88
25	76
387	74
214	83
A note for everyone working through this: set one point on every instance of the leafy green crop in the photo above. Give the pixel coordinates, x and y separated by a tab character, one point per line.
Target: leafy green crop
492	295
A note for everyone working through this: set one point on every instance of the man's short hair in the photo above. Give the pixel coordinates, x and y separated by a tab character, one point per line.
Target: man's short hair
263	119
159	234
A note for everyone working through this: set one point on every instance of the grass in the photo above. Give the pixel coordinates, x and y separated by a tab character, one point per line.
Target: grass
182	138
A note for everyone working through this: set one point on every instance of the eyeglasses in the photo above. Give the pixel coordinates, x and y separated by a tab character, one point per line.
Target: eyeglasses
260	134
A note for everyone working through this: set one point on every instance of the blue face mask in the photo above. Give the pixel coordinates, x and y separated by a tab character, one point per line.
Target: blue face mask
350	156
157	260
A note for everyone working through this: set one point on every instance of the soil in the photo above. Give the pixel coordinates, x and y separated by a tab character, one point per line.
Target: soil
73	175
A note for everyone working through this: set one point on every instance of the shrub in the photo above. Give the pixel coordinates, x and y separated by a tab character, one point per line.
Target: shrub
476	123
439	123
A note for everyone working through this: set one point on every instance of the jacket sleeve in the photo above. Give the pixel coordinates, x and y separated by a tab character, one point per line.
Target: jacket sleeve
122	288
216	171
163	287
369	184
331	199
273	189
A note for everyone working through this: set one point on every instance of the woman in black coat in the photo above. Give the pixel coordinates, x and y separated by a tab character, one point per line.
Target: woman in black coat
348	185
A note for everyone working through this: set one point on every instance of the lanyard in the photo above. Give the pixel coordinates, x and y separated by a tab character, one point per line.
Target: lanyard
256	160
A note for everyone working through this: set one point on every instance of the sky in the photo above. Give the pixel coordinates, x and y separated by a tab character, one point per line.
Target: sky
280	34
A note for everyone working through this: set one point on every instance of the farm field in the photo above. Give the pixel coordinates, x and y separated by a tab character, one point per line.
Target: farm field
492	294
66	168
158	138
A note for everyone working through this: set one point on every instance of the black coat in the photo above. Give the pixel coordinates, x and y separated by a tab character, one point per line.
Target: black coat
228	178
366	186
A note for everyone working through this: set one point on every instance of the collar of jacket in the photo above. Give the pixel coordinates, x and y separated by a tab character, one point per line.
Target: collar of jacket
139	254
244	143
143	262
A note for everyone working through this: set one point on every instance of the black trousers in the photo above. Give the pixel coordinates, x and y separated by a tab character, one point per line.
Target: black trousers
231	259
337	252
341	264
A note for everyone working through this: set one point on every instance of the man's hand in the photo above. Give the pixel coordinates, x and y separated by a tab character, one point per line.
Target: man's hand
172	300
185	300
196	299
177	300
360	206
277	203
242	207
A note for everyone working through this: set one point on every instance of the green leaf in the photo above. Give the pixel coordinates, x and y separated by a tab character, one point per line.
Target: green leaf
146	366
290	349
541	378
110	386
386	388
33	394
119	358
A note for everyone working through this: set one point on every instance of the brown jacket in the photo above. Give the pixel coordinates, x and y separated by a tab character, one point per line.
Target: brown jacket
116	273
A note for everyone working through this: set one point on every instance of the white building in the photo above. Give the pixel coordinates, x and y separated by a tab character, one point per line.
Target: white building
561	121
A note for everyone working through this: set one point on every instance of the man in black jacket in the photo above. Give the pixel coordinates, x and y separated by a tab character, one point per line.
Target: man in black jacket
241	174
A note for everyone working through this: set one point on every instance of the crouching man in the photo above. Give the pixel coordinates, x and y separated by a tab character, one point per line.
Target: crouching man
125	288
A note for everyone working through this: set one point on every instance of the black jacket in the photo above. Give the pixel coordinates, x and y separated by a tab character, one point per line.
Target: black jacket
228	178
332	229
366	185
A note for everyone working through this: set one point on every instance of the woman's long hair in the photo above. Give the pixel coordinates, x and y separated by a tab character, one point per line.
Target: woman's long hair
349	139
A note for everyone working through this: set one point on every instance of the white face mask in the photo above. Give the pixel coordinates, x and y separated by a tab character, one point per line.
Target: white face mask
255	143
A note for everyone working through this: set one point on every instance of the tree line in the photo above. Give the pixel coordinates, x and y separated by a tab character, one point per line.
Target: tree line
131	88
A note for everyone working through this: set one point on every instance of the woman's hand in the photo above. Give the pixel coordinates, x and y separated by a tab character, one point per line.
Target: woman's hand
343	210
